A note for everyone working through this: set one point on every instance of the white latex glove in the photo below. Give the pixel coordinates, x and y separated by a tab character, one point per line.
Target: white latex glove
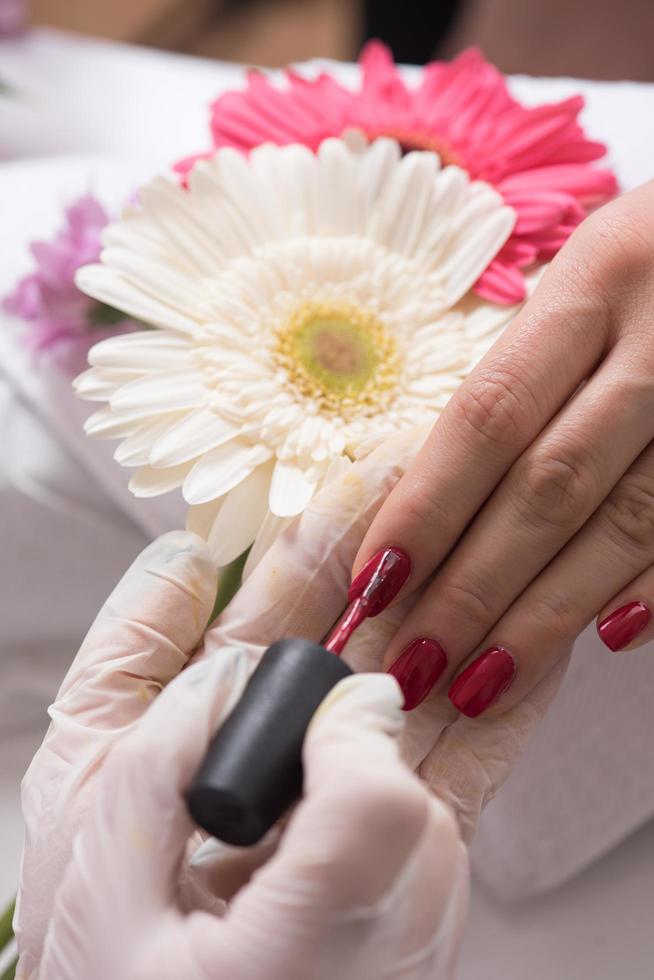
369	879
151	628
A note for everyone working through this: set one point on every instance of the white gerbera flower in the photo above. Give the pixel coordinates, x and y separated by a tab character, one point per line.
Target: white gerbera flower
302	303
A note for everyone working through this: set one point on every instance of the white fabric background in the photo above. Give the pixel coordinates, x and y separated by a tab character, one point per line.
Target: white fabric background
69	527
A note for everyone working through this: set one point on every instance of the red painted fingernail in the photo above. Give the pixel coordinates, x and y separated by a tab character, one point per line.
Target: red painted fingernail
482	682
624	625
417	669
380	579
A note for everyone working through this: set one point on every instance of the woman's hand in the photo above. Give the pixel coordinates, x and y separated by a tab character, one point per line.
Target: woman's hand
369	877
531	503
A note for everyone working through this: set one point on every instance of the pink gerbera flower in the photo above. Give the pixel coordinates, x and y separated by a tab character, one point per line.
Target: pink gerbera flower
537	158
60	318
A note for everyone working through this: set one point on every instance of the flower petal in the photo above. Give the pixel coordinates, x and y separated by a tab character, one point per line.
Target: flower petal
200	519
108	286
148	482
159	279
98	385
240	516
287	174
501	282
197	433
290	490
106	424
163	392
220	470
135	450
405	207
147	350
182	225
474	251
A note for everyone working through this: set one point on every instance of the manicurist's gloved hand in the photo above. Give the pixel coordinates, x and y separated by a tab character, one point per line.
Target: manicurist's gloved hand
368	878
107	754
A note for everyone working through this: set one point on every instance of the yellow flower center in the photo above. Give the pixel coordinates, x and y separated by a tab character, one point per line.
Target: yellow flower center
339	356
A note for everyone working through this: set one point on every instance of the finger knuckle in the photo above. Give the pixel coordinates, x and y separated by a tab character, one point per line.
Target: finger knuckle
612	261
554	487
422	504
629	511
553	618
472	603
621	243
497	407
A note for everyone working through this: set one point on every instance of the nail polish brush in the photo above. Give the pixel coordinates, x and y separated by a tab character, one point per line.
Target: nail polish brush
252	772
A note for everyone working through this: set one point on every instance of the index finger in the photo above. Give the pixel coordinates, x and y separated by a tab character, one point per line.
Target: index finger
531	371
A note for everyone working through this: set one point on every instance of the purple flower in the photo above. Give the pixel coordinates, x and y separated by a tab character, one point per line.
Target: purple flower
60	318
13	16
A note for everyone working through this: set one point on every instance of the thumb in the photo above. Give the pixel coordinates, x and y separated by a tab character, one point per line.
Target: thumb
366	841
347	758
354	779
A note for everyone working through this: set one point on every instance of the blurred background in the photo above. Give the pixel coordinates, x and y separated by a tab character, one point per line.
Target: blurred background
583	38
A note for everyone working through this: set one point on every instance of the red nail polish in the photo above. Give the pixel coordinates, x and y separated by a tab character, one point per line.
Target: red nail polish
482	682
623	625
380	579
417	669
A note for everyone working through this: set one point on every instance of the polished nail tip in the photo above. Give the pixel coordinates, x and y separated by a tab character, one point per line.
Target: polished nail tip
417	669
483	682
623	625
381	579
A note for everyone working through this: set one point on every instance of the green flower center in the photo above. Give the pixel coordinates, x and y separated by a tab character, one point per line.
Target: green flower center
339	355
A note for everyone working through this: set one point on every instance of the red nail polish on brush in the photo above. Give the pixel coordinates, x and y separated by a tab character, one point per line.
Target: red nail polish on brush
374	588
482	682
417	669
623	625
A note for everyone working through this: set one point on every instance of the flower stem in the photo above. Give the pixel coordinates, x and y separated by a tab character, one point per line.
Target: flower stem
229	581
6	928
10	972
6	936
